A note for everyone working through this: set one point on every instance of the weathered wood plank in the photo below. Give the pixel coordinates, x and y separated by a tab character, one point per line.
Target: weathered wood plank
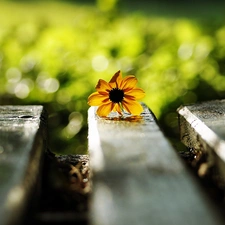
202	127
22	141
139	179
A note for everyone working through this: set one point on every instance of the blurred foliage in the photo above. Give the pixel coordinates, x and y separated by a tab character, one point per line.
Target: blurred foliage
53	54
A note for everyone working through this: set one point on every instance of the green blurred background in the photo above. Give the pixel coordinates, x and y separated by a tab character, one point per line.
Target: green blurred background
53	53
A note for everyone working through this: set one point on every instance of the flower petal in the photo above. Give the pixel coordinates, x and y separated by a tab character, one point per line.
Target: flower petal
115	76
96	99
105	109
128	82
117	108
138	93
128	98
133	107
103	86
116	79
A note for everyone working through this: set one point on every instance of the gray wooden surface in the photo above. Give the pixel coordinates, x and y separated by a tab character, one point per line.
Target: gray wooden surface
202	127
22	141
138	179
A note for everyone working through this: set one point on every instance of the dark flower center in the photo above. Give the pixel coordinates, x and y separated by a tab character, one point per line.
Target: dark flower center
116	95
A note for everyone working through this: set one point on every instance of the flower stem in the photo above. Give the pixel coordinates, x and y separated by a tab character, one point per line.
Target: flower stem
122	109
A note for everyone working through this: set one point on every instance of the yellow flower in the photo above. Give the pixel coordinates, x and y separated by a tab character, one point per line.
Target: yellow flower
117	95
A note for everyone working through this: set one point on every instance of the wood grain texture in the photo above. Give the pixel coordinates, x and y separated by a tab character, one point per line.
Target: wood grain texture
23	138
138	177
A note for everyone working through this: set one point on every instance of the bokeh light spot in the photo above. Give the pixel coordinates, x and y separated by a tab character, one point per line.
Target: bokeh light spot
13	75
74	125
51	85
27	63
63	97
100	63
185	51
22	90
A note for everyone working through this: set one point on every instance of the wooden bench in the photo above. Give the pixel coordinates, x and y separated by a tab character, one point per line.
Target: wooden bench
23	139
139	179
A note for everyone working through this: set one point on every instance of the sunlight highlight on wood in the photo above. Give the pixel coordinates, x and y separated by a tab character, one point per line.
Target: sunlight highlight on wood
141	180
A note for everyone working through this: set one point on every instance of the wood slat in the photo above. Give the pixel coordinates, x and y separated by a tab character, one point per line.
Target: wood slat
202	127
138	177
23	138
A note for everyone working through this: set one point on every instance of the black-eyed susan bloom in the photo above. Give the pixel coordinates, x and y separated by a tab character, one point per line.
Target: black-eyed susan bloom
119	94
